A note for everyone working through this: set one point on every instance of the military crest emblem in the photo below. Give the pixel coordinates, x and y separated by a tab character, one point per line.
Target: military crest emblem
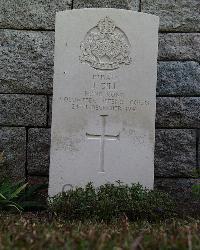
105	46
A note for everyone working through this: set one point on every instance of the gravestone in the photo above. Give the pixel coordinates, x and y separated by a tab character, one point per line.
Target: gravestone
104	98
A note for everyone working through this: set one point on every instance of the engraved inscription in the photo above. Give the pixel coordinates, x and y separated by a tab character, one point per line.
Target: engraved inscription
105	46
102	137
104	94
116	104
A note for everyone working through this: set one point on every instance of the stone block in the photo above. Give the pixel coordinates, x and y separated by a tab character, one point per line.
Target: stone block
175	15
12	153
23	110
190	112
119	4
175	153
38	151
26	61
168	112
178	78
179	188
179	46
31	14
178	112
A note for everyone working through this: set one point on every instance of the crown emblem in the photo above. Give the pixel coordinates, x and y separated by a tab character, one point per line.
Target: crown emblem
105	46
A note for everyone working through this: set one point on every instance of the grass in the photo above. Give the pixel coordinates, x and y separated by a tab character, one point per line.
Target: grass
31	231
111	217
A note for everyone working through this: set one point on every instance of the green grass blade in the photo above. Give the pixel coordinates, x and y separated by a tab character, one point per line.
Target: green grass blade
2	196
18	191
19	209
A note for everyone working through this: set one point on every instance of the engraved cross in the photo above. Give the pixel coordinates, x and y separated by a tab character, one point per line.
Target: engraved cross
102	137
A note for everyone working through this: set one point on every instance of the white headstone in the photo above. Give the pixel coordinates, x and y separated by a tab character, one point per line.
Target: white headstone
104	98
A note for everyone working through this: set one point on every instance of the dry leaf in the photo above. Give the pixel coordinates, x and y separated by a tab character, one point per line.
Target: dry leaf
137	242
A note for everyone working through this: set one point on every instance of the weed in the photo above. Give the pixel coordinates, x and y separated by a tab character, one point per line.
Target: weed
110	201
18	196
196	191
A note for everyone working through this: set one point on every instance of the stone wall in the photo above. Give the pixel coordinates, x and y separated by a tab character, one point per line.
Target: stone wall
26	70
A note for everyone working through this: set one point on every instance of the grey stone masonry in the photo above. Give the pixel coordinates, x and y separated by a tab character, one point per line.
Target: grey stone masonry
168	112
190	112
181	190
12	153
119	4
178	112
31	14
23	110
178	78
179	46
26	60
175	15
175	153
38	151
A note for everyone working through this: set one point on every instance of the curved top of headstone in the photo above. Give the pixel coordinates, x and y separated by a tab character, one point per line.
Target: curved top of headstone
106	11
105	44
109	9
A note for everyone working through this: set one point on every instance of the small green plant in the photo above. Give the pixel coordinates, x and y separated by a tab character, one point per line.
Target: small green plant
195	173
19	196
196	191
110	201
9	193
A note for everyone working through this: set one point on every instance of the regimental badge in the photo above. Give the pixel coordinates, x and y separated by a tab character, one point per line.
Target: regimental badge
105	46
